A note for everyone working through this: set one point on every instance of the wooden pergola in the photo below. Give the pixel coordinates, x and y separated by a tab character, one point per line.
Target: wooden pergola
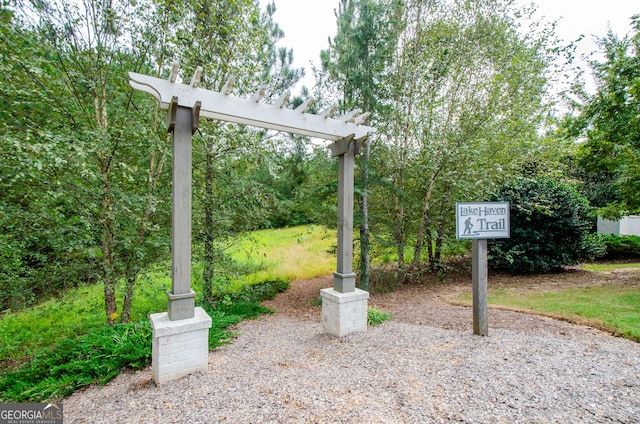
187	103
184	326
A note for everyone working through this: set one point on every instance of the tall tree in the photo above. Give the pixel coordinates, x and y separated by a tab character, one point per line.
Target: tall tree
229	39
356	60
104	154
610	121
466	94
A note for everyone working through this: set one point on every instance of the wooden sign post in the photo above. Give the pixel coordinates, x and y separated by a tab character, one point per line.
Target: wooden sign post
479	222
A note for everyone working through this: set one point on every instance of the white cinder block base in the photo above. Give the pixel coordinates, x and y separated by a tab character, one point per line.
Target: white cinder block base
179	347
344	313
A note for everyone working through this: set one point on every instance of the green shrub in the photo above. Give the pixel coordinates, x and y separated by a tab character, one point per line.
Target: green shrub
621	247
100	355
253	293
71	363
375	317
550	225
594	247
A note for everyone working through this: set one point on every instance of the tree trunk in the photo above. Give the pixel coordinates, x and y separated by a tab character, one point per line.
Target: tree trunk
406	88
128	298
107	221
365	237
417	251
437	252
155	169
399	233
108	247
209	256
429	244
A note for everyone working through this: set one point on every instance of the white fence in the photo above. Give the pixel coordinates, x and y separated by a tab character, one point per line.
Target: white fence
629	225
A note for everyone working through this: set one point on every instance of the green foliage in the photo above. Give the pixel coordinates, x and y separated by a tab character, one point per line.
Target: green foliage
71	363
360	52
608	160
356	62
463	96
77	311
550	224
291	182
233	188
251	293
594	247
621	247
81	156
376	317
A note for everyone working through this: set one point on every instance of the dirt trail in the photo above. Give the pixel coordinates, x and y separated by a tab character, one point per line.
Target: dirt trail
433	303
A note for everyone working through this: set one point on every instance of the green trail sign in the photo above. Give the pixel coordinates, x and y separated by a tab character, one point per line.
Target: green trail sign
482	220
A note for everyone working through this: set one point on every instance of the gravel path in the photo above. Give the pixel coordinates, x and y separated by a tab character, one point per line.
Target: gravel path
422	366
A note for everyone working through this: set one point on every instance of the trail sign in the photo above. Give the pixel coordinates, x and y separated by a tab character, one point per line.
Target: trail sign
482	220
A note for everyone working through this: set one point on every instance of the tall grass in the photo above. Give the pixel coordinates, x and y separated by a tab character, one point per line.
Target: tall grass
99	355
287	253
266	255
77	311
74	362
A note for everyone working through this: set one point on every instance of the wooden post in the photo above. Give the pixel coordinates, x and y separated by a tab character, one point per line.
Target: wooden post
181	297
344	279
479	287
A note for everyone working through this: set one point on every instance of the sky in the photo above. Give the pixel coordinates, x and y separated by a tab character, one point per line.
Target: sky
308	24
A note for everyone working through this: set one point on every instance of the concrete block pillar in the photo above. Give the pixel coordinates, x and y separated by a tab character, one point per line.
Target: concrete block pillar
344	313
179	347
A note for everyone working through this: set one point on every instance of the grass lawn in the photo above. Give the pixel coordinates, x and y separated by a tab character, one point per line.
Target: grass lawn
76	312
609	307
609	267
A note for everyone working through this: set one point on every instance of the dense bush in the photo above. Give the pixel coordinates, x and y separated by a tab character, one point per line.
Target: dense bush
621	247
550	227
254	293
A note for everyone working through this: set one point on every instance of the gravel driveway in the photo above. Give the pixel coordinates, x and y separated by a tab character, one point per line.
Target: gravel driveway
422	366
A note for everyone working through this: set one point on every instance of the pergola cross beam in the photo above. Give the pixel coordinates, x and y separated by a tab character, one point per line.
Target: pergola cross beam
225	107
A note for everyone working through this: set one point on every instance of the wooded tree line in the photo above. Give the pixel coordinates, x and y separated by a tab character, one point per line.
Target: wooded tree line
458	90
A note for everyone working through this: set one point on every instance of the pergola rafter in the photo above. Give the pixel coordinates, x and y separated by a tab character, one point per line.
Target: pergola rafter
225	107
